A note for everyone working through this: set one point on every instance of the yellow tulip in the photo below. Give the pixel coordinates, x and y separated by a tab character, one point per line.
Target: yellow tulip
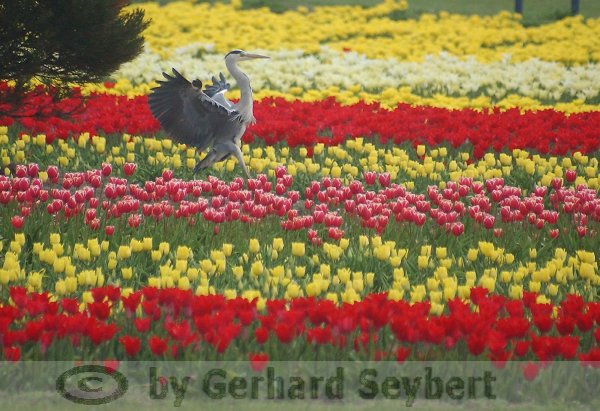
422	262
124	252
298	249
256	268
126	273
395	295
253	246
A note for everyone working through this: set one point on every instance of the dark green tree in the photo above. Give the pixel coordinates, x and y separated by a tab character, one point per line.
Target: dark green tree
66	41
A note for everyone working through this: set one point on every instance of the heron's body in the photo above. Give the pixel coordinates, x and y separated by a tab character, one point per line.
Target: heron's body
206	119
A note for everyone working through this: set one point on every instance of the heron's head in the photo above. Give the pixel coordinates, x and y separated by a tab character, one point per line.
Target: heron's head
241	55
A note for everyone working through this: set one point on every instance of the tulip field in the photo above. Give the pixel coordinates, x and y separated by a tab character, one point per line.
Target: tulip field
422	189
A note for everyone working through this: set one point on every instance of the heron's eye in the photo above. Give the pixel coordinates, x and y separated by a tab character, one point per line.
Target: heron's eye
237	52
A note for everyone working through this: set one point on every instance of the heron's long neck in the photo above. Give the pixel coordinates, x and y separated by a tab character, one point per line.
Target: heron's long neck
244	106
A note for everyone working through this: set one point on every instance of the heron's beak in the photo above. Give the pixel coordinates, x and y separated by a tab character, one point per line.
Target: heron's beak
250	56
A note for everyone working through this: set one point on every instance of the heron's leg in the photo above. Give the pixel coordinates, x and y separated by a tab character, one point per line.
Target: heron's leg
206	161
240	158
220	152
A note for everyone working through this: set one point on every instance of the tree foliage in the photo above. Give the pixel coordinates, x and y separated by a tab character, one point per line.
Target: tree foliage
66	41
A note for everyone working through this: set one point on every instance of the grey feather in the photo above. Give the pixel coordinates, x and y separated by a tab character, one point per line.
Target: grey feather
220	98
218	86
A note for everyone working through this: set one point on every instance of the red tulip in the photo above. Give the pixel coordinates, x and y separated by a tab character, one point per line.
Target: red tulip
457	228
285	332
384	179
335	233
157	345
17	222
280	171
402	354
52	172
476	344
20	170
370	177
12	353
111	365
488	221
521	348
131	345
258	361
95	181
584	322
531	371
106	169
90	213
591	358
132	301
100	332
129	168
419	219
94	224
568	347
100	310
134	220
142	325
70	305
556	183
32	170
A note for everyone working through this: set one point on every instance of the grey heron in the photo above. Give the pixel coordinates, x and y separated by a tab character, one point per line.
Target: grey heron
206	119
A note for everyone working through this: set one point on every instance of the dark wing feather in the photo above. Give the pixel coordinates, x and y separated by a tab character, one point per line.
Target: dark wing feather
188	114
217	86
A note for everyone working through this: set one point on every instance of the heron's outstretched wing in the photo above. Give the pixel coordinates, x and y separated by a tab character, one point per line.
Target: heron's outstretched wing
218	89
187	113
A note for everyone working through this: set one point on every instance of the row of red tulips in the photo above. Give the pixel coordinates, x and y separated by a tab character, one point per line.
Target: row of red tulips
167	323
327	122
103	199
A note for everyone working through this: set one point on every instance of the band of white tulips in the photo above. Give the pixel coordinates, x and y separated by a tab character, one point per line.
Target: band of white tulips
293	71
